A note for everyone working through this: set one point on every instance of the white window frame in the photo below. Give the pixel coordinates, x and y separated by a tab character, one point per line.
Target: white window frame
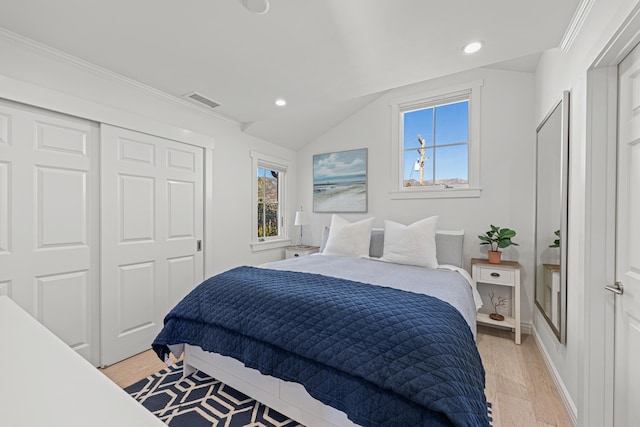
260	160
426	100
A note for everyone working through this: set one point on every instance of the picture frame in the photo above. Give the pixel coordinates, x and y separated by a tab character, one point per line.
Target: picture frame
340	182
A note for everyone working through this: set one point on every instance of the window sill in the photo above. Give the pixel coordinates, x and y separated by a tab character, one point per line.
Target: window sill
436	193
270	244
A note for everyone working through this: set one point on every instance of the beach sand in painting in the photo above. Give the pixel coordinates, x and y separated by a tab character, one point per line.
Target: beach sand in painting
340	181
340	197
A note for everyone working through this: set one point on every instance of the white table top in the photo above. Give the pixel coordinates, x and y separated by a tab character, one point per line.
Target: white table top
43	382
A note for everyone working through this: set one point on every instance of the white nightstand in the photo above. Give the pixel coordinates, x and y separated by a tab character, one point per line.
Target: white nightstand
507	273
298	251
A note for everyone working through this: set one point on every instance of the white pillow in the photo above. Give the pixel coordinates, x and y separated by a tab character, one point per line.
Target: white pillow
348	239
413	244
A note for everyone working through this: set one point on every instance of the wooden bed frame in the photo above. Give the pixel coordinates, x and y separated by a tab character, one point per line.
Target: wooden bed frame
289	398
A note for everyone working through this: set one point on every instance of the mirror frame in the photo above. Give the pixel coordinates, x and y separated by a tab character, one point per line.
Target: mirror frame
563	105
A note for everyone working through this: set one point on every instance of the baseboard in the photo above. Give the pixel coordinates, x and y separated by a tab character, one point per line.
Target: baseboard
557	380
526	328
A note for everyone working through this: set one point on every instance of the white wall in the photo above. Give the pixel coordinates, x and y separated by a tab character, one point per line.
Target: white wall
558	71
565	356
41	71
513	105
233	178
506	171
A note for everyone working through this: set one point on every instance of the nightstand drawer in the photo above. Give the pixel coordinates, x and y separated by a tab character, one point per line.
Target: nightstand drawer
496	275
299	251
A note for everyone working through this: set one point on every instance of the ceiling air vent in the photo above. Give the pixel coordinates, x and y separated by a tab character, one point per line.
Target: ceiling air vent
201	99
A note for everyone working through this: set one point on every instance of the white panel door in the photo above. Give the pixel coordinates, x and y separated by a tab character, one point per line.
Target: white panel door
152	220
627	306
48	225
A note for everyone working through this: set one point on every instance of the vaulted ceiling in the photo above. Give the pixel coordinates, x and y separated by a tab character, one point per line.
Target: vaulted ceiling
327	58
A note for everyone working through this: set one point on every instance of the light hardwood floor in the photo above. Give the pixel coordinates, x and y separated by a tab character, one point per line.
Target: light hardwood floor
518	384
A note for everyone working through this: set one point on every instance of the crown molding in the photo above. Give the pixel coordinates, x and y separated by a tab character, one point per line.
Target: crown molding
577	21
44	50
41	97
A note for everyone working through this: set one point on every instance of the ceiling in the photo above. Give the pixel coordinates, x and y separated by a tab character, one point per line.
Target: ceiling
327	58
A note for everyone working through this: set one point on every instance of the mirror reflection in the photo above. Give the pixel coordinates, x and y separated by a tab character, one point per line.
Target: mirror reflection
551	216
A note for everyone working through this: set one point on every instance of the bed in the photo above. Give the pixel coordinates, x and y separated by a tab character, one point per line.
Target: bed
339	340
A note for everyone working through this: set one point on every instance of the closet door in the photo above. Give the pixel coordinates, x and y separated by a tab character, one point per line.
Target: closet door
48	226
152	221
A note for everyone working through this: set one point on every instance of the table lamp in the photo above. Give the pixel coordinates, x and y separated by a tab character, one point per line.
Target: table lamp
301	219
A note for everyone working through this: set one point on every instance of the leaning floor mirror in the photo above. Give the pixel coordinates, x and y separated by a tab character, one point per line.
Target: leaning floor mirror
552	167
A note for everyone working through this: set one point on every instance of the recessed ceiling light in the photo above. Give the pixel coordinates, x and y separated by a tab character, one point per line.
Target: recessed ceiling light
472	47
256	6
281	102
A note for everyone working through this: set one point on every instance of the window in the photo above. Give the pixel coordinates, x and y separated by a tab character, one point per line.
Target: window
268	201
437	144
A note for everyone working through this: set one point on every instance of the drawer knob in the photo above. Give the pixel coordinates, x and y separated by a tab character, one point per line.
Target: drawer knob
495	274
296	254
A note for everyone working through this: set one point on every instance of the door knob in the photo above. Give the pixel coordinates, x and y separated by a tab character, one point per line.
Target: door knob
617	288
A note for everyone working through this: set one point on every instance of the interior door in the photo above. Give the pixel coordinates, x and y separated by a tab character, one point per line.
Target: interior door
48	221
627	304
152	226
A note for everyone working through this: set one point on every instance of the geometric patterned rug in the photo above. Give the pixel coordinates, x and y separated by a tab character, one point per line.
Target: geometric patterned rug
199	400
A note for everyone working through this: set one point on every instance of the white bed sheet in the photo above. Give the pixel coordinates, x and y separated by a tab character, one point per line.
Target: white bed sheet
448	283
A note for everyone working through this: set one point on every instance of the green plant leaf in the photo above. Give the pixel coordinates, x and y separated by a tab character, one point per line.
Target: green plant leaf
504	243
498	238
508	234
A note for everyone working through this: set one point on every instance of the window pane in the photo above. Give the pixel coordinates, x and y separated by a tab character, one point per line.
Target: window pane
271	219
270	186
260	219
452	123
452	165
413	165
260	184
419	122
260	189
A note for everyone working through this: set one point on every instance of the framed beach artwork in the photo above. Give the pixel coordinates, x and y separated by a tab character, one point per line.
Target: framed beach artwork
340	181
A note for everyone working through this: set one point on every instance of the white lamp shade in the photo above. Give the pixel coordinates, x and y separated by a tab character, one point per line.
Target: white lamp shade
301	218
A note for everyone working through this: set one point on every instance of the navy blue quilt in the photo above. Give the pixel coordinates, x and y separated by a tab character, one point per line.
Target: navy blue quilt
383	356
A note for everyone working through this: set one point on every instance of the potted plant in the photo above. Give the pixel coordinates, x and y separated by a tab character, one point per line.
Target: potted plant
556	243
497	238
